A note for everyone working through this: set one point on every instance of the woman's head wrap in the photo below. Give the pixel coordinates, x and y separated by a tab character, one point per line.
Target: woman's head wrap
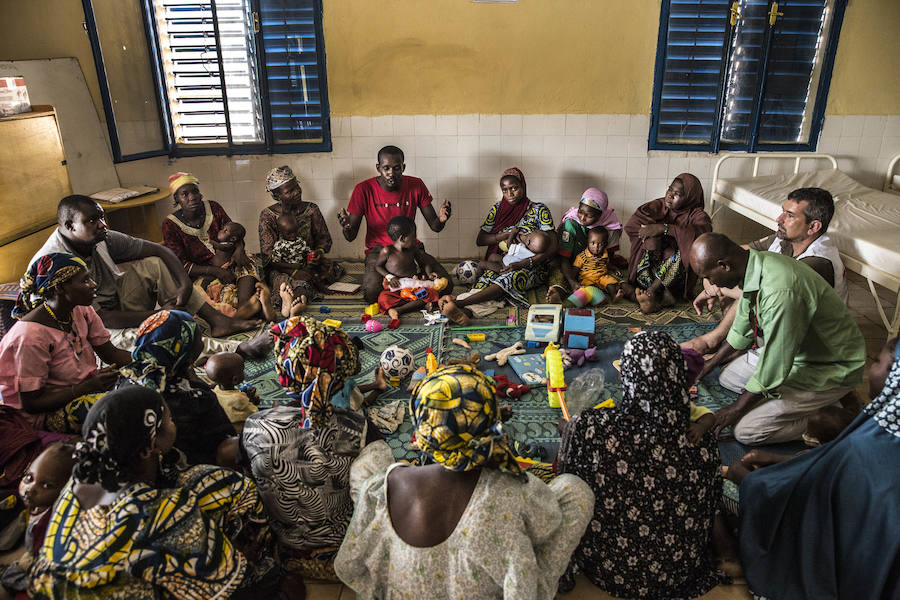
313	360
598	200
457	421
118	428
653	379
162	348
885	409
46	272
279	176
176	180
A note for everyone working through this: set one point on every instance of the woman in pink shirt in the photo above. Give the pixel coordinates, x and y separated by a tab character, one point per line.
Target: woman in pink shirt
48	360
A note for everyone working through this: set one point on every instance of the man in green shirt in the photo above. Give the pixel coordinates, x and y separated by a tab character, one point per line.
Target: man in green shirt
813	354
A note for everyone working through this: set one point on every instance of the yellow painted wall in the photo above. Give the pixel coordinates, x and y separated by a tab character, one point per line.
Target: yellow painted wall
456	56
535	56
866	76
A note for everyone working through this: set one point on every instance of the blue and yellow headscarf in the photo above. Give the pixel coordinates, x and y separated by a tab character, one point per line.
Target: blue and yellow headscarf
162	348
46	272
313	360
457	421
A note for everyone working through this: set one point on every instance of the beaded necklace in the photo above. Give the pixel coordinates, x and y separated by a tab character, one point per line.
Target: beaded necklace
67	327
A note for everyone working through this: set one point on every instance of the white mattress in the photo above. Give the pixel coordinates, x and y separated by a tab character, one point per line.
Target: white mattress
866	222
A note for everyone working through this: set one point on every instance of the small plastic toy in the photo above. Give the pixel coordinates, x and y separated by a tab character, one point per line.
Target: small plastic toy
578	328
324	309
503	355
556	379
394	324
433	318
543	322
372	309
373	326
475	337
579	357
462	343
431	363
332	323
532	344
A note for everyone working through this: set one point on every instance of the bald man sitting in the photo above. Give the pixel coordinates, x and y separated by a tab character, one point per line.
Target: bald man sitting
801	234
805	350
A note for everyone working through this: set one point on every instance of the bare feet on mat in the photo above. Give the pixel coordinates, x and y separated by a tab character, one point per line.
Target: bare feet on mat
393	314
554	296
265	299
287	298
455	313
257	347
222	326
298	306
645	301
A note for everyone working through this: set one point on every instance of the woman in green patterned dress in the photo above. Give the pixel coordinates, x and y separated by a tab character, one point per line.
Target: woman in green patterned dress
514	212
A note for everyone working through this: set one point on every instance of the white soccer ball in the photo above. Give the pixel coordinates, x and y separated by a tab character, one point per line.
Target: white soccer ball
466	271
397	362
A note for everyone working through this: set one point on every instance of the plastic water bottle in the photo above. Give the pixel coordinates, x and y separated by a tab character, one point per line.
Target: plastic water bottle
585	391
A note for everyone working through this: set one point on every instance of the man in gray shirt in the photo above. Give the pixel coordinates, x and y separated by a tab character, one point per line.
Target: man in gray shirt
132	275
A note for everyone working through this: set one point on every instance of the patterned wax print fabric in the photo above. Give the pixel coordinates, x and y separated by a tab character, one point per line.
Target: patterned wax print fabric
313	230
516	283
48	271
838	512
161	354
151	543
513	540
656	494
457	421
653	265
313	360
193	245
304	473
290	251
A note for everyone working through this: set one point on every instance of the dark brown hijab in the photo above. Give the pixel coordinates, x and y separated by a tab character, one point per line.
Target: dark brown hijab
685	226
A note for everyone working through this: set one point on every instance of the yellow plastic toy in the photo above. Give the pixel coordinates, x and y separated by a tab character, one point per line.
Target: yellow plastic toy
431	363
556	379
372	309
475	337
332	323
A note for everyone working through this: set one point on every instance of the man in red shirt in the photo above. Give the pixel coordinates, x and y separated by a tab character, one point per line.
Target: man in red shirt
379	200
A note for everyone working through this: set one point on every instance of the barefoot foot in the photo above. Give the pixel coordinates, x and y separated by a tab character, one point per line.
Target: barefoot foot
257	347
224	326
265	300
455	313
298	306
393	314
645	301
554	296
287	298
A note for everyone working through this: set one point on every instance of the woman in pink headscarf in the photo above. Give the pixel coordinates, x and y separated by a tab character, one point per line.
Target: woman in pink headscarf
592	211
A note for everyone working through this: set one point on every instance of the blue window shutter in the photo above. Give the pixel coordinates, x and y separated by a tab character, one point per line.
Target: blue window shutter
690	72
792	72
295	74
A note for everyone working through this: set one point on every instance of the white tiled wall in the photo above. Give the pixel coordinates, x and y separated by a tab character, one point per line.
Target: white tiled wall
460	157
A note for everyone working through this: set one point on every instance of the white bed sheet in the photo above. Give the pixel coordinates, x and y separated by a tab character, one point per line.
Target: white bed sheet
866	222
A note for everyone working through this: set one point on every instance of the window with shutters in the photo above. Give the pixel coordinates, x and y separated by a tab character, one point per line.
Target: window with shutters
743	74
232	76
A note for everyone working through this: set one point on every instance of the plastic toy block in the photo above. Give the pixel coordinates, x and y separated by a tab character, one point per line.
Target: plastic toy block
324	309
332	323
475	337
372	309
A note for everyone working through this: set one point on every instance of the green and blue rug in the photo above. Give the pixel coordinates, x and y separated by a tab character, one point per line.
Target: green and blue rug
533	419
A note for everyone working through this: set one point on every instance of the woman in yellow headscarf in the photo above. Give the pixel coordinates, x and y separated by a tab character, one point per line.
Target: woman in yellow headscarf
472	524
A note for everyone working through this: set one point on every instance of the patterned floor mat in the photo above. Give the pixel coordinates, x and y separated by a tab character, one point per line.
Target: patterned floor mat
534	420
415	338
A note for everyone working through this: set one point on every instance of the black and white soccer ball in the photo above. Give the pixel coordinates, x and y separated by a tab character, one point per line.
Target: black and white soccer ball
466	271
397	362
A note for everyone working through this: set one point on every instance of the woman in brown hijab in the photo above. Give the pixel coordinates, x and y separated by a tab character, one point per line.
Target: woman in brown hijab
661	233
